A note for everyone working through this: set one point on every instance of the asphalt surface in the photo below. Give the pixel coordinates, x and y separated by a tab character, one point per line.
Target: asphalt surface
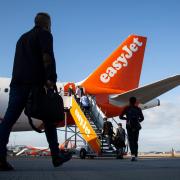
93	169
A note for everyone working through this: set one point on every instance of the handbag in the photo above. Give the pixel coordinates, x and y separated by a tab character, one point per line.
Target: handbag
44	104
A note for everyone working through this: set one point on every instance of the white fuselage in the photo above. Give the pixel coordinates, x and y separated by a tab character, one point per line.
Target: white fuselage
22	124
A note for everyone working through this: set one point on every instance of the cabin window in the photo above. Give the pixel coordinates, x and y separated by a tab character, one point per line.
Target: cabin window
6	90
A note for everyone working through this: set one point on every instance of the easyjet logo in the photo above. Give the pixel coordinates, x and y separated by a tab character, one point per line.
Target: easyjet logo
83	123
121	61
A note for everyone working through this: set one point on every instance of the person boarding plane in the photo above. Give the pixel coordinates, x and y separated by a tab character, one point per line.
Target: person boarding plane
111	84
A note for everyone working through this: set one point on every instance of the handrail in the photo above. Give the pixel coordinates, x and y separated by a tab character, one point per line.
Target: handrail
96	112
84	126
114	121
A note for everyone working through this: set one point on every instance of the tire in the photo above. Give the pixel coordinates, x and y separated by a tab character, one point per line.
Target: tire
82	154
91	157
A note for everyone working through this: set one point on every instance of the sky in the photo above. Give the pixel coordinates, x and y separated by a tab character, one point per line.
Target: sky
86	32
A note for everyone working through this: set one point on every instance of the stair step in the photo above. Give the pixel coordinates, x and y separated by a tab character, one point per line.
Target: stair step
98	133
106	148
108	151
108	155
103	140
92	125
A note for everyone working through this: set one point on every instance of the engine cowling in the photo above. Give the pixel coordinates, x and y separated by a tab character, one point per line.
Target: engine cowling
150	104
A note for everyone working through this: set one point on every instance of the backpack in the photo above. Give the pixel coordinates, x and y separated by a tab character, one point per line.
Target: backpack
119	139
108	128
120	134
133	118
85	101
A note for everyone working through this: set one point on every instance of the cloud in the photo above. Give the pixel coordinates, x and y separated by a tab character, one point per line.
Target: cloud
165	115
161	128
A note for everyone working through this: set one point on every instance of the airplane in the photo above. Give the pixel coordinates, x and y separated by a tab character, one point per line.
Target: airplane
111	84
36	151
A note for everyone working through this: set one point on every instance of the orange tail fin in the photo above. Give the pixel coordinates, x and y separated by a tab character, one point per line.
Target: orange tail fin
121	70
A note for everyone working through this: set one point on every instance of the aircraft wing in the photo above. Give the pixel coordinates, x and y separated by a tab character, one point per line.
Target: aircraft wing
146	93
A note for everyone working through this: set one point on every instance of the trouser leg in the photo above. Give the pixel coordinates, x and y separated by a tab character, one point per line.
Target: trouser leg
17	100
131	141
133	137
136	137
108	139
121	151
51	136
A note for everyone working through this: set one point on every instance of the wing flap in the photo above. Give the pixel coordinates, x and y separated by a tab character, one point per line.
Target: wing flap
146	93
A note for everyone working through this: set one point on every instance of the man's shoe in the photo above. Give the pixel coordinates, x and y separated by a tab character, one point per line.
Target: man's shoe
61	158
5	166
133	159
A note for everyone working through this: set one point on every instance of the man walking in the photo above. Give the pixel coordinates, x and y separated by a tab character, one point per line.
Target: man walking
34	66
133	116
119	141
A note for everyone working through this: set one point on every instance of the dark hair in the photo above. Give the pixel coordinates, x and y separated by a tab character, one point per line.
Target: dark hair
42	19
132	100
105	118
120	124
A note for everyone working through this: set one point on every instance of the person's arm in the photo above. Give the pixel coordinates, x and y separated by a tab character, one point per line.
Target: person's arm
122	115
50	68
116	132
80	103
46	45
76	93
111	128
141	116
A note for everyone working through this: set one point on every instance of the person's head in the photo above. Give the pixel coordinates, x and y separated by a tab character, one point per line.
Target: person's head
105	118
132	100
120	124
43	20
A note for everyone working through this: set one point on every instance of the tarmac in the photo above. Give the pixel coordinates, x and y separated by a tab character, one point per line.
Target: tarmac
40	168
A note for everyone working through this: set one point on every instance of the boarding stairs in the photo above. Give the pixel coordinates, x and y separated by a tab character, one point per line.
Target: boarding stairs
90	124
97	120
